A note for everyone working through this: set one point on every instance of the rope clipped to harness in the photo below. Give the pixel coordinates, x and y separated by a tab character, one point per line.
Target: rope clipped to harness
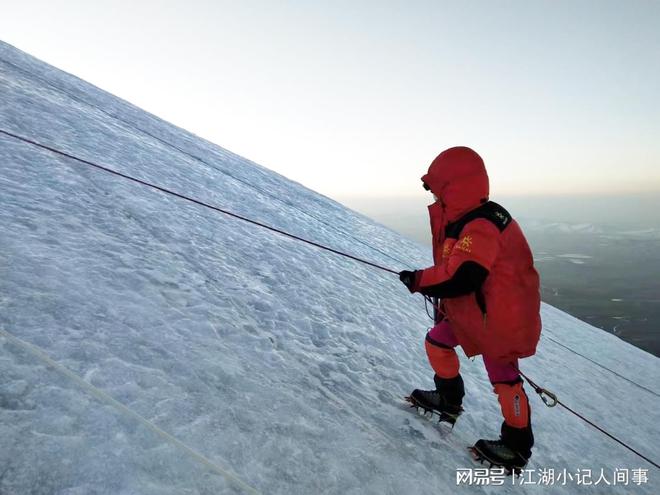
549	398
427	299
438	313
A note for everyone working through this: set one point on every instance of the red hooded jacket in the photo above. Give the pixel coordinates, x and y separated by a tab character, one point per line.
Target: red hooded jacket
501	319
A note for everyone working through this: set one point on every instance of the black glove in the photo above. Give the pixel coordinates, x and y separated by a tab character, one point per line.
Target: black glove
409	279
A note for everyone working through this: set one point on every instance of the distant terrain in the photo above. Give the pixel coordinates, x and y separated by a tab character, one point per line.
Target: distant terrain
607	278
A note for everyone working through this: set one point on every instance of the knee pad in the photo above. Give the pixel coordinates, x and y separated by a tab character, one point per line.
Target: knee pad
442	359
514	403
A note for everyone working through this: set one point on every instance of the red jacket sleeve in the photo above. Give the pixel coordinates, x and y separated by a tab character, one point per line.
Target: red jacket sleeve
477	242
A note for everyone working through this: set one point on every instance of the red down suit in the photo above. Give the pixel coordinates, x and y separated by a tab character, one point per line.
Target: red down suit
502	318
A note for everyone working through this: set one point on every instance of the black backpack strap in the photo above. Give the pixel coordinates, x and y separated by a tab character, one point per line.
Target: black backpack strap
490	211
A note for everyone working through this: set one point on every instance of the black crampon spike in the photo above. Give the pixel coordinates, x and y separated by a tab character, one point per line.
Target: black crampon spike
475	454
480	458
443	417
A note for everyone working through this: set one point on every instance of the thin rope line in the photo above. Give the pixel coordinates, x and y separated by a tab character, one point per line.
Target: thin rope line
601	366
193	156
192	200
104	397
539	390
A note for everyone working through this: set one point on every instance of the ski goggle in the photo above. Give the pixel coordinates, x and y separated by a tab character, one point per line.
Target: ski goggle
426	186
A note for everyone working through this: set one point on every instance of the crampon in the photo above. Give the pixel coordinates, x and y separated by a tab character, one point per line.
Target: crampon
443	416
510	469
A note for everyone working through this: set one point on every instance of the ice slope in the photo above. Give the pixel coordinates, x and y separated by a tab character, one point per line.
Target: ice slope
270	361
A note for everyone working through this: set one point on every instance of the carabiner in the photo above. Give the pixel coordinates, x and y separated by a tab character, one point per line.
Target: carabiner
548	398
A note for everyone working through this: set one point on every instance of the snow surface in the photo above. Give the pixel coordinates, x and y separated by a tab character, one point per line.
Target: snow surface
269	360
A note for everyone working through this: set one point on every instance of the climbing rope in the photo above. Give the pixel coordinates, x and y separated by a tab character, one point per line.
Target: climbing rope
194	157
438	312
551	400
192	200
601	366
103	397
427	299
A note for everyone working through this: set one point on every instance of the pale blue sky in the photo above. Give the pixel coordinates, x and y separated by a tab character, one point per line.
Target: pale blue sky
355	98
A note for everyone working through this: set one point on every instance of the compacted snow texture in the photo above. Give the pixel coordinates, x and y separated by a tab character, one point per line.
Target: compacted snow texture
276	366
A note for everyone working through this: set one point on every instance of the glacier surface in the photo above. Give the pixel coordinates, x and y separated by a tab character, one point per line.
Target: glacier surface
152	346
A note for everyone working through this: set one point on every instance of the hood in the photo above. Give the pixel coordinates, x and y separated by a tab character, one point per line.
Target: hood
459	179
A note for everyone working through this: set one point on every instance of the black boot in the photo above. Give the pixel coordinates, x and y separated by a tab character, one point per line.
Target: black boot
445	400
511	451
